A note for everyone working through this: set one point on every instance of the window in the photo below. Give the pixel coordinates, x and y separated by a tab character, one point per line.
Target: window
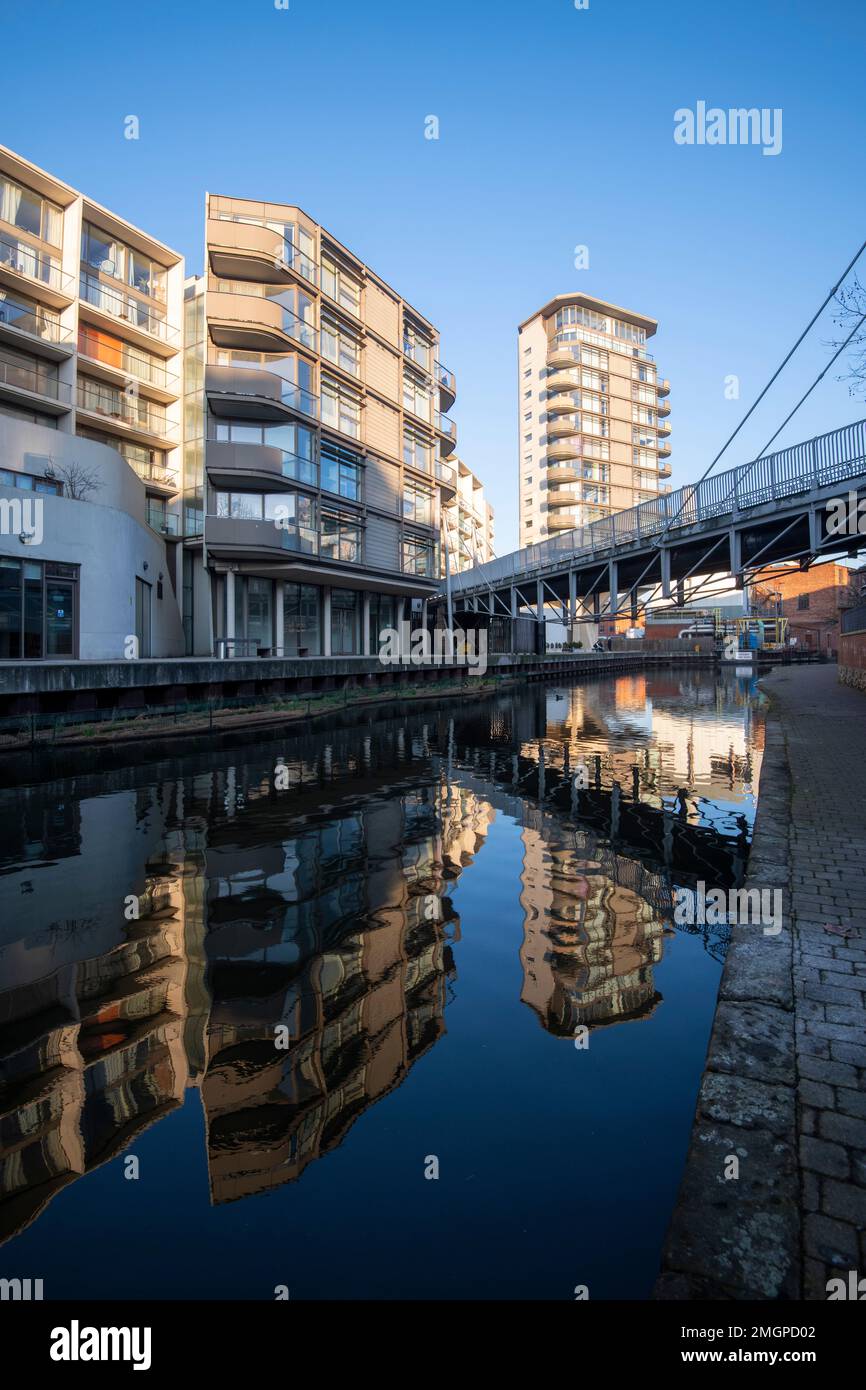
576	313
340	285
296	442
293	513
528	480
419	556
416	346
644	458
341	536
30	212
111	257
417	503
302	619
345	609
802	601
341	471
417	449
340	346
341	407
37	609
416	395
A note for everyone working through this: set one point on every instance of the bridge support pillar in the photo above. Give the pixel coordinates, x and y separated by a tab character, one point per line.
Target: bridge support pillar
735	544
613	586
513	601
666	572
539	599
814	530
572	601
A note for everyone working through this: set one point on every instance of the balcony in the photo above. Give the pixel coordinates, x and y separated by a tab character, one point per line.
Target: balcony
255	324
446	475
663	407
155	476
116	367
564	426
448	434
563	381
166	523
107	308
559	356
565	449
250	392
559	522
27	326
447	384
664	448
251	251
31	386
561	404
127	414
22	264
663	386
243	538
664	428
231	465
665	471
561	473
562	499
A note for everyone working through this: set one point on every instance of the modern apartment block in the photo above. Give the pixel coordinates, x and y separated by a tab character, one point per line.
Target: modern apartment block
467	523
592	415
90	364
316	443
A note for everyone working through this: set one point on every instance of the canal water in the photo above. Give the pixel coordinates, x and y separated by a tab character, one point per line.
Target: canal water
393	1010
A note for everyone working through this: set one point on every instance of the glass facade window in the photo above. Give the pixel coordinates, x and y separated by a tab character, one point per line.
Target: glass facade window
418	556
125	406
28	316
345	614
30	212
416	346
37	609
340	285
417	503
417	450
133	361
103	253
416	395
126	306
341	408
341	536
340	346
296	441
341	471
302	619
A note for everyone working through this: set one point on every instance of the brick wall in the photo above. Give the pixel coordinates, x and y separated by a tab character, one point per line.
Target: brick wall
852	659
810	601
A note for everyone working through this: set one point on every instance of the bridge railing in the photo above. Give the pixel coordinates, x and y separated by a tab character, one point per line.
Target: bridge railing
816	463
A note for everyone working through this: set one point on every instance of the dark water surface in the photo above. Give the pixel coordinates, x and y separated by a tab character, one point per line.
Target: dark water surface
429	916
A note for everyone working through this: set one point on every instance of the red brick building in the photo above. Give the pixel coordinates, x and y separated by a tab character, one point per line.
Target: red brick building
809	599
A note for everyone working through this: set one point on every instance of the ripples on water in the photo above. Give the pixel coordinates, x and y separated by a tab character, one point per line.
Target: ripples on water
426	917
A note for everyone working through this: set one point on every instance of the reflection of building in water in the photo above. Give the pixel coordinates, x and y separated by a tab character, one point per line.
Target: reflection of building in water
589	942
355	971
92	1053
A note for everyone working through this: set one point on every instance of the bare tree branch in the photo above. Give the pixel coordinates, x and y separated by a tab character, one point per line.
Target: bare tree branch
78	480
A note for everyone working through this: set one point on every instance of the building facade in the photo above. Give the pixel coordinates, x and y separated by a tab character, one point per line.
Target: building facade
810	599
316	453
467	523
593	413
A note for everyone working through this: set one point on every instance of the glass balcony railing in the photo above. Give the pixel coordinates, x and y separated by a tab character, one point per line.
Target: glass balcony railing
34	379
446	425
24	259
152	472
568	336
445	378
284	249
167	523
125	411
28	318
445	473
153	373
127	309
290	394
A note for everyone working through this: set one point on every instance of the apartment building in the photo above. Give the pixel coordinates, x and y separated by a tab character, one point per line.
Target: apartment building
592	415
467	522
90	363
316	443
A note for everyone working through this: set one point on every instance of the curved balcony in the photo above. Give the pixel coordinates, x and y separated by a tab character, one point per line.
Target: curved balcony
561	473
663	386
561	523
563	381
564	449
561	404
253	393
447	383
231	465
663	407
559	356
564	426
249	251
664	470
562	499
447	434
664	428
253	539
664	448
253	323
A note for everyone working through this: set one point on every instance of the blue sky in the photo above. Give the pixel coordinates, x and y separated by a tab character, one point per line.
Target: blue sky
556	130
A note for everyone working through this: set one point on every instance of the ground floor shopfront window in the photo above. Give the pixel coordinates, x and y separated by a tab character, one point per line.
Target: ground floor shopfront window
38	609
345	622
302	619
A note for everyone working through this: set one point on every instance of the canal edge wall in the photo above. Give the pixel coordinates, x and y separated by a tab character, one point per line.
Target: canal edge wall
740	1237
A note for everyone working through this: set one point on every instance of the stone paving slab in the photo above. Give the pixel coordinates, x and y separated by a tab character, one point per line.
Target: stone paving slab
784	1090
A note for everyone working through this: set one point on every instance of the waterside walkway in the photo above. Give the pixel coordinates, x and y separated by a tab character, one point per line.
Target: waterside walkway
784	1091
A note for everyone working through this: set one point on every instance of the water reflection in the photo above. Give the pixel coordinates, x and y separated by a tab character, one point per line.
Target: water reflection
163	930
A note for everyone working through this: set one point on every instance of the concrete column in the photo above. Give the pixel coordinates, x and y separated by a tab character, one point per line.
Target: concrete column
230	609
326	620
513	601
365	624
666	572
613	586
280	616
572	600
539	599
401	618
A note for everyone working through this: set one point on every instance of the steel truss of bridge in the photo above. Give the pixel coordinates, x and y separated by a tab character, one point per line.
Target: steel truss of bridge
774	510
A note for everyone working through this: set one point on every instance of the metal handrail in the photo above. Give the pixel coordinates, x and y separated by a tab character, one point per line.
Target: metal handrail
819	462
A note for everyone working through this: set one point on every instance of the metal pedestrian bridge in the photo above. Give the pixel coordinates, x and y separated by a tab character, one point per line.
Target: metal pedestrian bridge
683	544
